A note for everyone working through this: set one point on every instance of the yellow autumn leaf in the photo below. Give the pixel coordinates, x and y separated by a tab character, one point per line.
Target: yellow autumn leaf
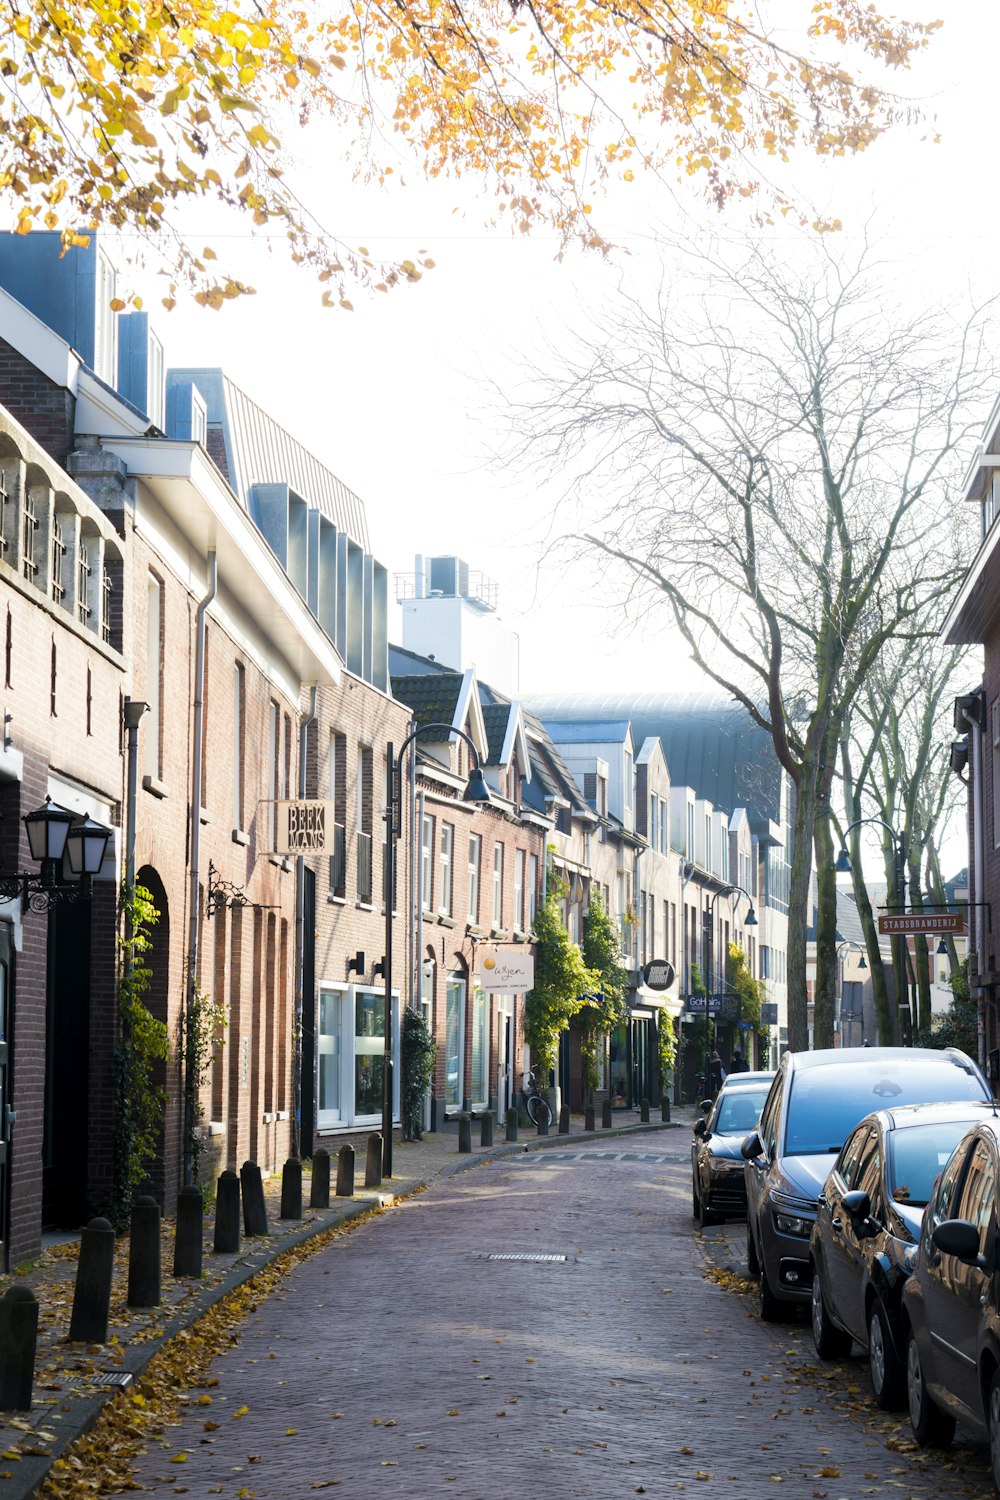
179	1458
240	1411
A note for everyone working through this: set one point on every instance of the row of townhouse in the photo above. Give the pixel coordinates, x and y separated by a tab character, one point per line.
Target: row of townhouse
196	644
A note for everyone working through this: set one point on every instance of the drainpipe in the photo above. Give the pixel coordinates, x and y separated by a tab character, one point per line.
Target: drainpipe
194	914
300	940
132	711
979	865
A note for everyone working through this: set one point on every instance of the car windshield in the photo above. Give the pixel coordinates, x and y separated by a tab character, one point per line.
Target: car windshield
827	1101
739	1110
917	1156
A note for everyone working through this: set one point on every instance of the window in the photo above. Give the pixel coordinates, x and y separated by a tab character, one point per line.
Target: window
532	889
106	590
498	885
664	826
6	514
274	768
29	564
519	889
337	792
653	824
239	732
454	1041
480	1049
57	582
363	810
627	789
475	865
369	1053
154	657
83	572
976	1200
426	861
689	846
447	852
53	678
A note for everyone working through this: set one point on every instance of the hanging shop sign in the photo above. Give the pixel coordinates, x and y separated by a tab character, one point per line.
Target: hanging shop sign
658	974
922	921
769	1013
304	826
727	1007
506	973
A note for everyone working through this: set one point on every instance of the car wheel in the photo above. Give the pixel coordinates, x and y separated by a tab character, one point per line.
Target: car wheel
705	1214
753	1264
994	1422
887	1372
772	1310
932	1427
831	1342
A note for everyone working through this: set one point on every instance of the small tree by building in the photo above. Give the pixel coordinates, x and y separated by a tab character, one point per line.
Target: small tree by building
562	979
605	1008
750	990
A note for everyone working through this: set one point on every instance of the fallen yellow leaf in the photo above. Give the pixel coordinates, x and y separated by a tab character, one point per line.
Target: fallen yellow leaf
240	1411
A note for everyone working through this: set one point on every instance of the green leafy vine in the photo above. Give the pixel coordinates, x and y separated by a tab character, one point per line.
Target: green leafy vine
417	1049
602	953
202	1022
561	980
140	1049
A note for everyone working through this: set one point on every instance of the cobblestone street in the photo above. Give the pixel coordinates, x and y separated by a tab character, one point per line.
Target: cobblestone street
401	1360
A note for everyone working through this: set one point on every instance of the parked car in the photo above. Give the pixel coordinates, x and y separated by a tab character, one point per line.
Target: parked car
951	1302
734	1078
816	1100
865	1237
717	1185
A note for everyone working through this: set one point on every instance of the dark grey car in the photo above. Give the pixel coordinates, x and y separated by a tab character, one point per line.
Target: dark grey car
816	1100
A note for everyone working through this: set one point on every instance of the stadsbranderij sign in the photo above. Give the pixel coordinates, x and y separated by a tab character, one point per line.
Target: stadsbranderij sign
921	921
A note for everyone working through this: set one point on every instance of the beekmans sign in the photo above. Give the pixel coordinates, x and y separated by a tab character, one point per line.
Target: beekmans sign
506	973
302	827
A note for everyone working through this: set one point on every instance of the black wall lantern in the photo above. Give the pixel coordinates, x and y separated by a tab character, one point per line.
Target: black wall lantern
54	832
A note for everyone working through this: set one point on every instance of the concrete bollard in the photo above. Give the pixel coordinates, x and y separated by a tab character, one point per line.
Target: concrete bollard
319	1188
542	1127
144	1254
373	1161
564	1120
486	1129
92	1295
512	1123
18	1339
291	1190
665	1109
606	1115
464	1134
254	1207
345	1171
588	1118
644	1111
227	1214
188	1236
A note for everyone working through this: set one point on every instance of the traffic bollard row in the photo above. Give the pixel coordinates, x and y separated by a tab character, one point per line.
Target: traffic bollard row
345	1171
373	1160
319	1191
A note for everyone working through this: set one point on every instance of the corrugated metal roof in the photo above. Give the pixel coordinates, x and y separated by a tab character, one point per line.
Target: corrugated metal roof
260	451
586	731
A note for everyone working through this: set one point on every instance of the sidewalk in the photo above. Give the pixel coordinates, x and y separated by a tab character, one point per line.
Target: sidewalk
68	1391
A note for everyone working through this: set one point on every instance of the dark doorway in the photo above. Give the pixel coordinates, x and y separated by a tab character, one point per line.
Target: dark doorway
157	960
67	1068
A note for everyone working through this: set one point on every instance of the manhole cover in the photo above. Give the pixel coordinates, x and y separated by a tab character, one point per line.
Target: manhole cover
523	1255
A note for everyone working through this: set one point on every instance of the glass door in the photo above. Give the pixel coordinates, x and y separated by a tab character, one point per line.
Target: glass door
329	1049
369	1055
454	1048
480	1049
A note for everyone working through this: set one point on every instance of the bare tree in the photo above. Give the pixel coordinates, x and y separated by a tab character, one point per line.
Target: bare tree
766	451
895	759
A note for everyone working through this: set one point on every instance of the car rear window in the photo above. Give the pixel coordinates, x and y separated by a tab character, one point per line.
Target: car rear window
917	1156
826	1102
740	1110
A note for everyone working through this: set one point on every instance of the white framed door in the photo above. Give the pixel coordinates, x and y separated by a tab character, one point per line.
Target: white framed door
330	1059
454	1043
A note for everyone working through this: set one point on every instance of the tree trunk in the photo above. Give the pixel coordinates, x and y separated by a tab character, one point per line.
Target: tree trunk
880	990
798	910
825	986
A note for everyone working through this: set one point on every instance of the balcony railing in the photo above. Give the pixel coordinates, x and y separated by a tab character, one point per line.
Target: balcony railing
365	868
338	862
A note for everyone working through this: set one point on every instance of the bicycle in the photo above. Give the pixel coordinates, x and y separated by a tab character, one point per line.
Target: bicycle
535	1102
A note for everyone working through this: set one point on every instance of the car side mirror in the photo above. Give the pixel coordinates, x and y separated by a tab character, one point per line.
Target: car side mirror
705	1106
701	1127
959	1238
752	1147
857	1205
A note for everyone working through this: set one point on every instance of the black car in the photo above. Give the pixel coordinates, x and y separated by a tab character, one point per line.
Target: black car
816	1101
717	1185
951	1302
865	1237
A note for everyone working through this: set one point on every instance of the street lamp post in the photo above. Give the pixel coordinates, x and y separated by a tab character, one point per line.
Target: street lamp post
842	949
843	867
751	921
476	790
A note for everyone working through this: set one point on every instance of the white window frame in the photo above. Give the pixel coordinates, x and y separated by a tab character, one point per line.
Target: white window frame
498	885
427	860
447	860
473	891
519	865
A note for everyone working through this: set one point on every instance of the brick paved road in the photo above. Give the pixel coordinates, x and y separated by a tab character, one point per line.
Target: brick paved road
408	1363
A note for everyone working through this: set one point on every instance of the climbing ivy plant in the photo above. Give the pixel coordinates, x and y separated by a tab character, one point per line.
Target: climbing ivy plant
750	990
140	1048
602	953
561	979
202	1021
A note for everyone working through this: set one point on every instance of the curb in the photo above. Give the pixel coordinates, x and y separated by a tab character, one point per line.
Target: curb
31	1471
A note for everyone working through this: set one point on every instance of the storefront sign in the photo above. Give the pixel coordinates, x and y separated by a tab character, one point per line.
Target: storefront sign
726	1007
506	973
769	1013
303	827
922	921
658	974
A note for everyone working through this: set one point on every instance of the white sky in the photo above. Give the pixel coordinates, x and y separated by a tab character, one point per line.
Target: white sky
390	396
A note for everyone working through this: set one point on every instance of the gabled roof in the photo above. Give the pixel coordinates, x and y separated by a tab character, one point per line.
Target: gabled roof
448	698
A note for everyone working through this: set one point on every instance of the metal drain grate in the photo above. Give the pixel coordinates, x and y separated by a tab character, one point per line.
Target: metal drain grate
523	1255
117	1380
